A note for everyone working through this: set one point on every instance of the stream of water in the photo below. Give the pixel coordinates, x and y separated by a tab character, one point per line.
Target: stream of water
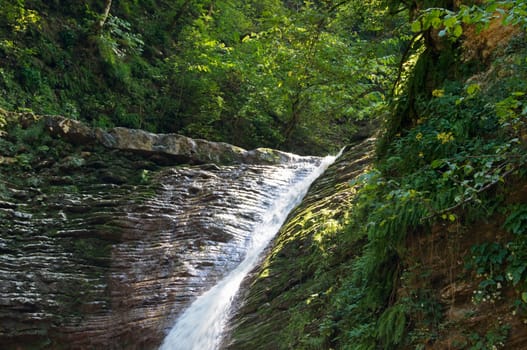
201	325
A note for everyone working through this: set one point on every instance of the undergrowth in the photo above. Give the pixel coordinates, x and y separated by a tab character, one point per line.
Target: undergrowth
450	164
450	168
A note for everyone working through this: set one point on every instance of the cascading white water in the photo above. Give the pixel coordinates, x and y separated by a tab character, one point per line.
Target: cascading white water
201	326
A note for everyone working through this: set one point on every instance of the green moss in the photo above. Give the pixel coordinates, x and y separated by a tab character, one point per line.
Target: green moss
289	303
344	283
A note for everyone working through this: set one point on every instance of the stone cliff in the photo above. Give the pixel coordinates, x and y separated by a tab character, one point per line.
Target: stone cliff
107	236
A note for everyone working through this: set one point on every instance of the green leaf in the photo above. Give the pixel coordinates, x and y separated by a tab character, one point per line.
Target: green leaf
517	220
436	22
458	30
466	19
416	26
468	169
437	163
491	8
449	22
473	88
524	297
517	274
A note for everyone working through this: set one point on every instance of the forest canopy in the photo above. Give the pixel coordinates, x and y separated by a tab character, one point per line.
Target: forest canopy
296	75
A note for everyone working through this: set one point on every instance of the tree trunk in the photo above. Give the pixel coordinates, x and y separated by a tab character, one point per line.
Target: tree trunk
295	117
105	15
211	8
179	13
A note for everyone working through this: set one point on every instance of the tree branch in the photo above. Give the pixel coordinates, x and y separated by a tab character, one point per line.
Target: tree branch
471	198
404	57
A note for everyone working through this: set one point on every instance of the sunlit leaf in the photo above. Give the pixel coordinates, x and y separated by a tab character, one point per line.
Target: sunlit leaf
416	27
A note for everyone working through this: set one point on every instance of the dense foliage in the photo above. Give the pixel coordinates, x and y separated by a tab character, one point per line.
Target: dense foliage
442	211
291	75
451	155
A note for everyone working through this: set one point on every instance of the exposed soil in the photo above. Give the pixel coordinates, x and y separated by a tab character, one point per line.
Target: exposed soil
437	264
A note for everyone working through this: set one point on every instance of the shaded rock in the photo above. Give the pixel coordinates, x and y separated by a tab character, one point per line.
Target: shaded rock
71	130
113	178
102	258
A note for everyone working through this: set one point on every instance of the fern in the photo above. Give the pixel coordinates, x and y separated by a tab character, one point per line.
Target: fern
313	343
391	326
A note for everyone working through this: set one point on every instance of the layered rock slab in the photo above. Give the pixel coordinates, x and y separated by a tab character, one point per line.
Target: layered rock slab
104	247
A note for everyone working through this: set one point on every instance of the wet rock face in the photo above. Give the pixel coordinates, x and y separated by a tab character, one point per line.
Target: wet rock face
270	294
105	251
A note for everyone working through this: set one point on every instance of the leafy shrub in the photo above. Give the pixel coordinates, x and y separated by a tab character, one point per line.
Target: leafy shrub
516	222
30	78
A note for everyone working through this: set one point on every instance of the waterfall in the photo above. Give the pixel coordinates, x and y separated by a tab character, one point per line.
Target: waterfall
201	325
